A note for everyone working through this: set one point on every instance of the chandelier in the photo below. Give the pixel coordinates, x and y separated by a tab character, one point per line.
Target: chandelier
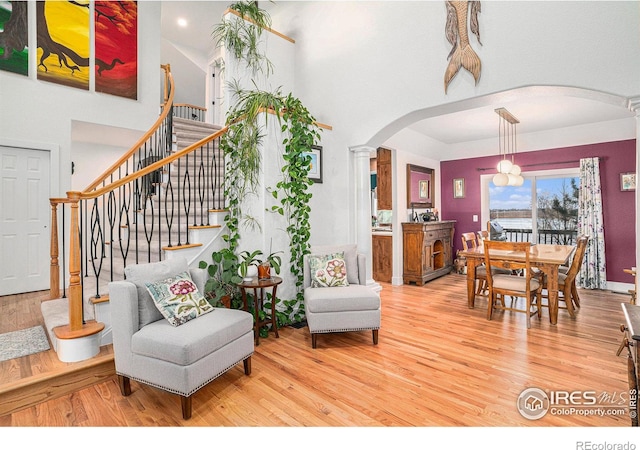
508	171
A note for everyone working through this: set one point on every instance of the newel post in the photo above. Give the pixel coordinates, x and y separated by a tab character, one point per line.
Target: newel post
54	270
75	287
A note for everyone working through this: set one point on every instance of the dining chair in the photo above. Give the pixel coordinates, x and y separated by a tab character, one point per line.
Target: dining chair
632	292
567	289
469	242
500	285
483	235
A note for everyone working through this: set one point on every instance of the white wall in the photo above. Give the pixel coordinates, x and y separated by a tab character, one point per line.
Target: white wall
372	68
189	72
363	65
34	110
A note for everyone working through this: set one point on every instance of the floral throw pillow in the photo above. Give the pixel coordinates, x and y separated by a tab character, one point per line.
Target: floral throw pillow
178	299
328	270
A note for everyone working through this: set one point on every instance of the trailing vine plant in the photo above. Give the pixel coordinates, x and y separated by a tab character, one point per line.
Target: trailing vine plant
241	146
292	191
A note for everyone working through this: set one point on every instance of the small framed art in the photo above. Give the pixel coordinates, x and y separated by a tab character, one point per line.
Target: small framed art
628	181
315	171
458	188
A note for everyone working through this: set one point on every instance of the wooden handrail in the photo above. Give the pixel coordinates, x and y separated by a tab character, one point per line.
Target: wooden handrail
163	162
142	140
148	169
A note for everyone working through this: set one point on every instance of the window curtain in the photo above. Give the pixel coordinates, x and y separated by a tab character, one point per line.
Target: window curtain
593	273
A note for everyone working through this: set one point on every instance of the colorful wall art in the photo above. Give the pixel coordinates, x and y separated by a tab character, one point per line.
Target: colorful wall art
63	42
116	47
14	55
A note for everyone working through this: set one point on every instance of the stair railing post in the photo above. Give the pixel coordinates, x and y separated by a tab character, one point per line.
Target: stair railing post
75	287
54	270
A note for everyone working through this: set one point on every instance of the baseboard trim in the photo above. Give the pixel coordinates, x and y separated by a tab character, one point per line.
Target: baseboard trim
33	390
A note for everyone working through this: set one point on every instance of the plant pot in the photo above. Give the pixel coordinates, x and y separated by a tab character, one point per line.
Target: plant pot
226	301
250	273
264	272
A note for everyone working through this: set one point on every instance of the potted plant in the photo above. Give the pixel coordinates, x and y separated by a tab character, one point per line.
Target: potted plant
265	265
248	268
222	285
253	264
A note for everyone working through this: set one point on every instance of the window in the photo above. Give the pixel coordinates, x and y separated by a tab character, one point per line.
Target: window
553	220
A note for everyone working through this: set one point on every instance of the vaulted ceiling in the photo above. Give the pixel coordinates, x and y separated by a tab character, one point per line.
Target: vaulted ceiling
451	126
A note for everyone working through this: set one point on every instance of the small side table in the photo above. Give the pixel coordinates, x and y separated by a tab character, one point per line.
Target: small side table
258	302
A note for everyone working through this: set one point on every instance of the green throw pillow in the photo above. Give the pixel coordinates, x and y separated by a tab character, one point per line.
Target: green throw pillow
328	270
178	299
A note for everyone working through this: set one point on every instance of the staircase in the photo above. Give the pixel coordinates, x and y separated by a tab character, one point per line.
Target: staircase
177	210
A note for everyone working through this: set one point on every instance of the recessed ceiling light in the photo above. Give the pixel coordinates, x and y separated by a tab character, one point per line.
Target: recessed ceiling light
182	22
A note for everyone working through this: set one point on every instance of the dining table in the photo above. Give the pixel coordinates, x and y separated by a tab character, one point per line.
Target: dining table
546	257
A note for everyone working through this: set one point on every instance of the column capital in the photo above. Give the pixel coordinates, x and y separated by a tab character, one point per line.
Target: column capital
361	149
634	105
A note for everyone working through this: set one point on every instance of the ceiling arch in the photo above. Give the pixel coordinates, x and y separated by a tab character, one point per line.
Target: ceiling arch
569	113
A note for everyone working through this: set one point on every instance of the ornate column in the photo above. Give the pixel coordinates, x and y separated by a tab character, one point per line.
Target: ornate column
362	180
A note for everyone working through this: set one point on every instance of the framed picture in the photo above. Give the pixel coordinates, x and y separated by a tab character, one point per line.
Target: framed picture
315	172
628	181
420	187
423	189
458	188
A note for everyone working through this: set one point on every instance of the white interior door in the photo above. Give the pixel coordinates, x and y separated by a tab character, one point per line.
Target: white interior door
24	220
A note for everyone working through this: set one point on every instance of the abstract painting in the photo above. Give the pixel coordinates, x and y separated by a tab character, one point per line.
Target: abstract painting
116	44
14	55
63	42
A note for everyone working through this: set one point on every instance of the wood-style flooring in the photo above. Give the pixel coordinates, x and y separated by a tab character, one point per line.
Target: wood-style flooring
438	363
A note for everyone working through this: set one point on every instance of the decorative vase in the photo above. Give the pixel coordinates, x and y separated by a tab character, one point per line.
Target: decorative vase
264	271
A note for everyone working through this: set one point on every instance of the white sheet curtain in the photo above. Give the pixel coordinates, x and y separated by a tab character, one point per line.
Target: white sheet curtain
593	274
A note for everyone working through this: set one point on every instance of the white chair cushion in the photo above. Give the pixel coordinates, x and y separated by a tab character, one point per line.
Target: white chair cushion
514	283
355	297
193	340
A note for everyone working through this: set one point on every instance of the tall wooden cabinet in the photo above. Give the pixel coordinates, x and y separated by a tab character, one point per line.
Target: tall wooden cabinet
383	162
427	250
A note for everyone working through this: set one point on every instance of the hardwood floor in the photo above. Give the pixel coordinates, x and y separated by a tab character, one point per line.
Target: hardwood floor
437	363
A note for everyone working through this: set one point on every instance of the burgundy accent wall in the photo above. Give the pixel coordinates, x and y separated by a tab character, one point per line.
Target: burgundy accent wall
618	207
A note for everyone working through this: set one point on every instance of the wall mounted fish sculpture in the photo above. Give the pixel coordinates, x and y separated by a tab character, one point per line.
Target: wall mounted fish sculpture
462	54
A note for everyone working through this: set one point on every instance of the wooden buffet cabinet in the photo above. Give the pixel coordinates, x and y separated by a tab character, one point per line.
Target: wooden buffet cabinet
427	250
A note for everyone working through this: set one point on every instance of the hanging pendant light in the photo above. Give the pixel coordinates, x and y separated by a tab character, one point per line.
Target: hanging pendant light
501	179
509	173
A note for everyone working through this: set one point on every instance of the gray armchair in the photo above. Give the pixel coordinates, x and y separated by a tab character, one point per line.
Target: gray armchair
355	307
179	359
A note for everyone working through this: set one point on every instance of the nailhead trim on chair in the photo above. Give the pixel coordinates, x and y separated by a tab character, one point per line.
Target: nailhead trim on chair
173	391
344	330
